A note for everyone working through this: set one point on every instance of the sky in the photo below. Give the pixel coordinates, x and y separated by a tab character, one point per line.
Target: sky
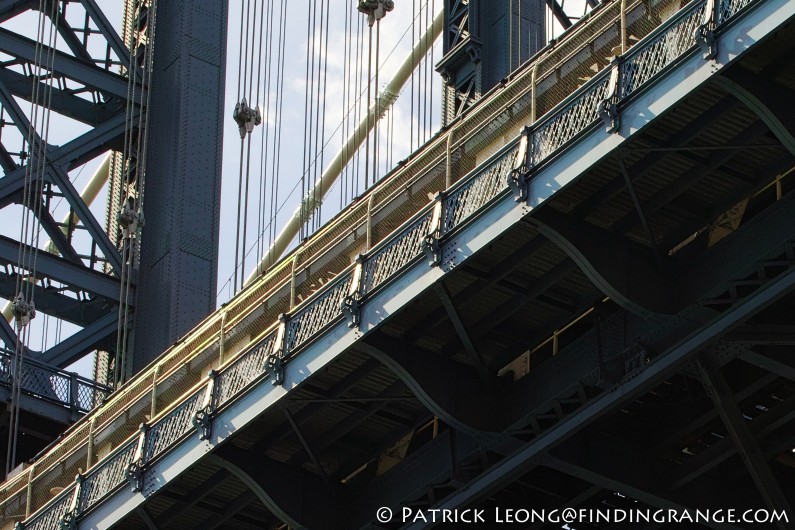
333	95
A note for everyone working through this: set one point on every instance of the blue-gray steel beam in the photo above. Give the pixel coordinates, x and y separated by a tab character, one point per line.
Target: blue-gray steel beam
495	275
57	174
12	8
66	65
513	467
778	366
105	27
764	100
756	463
143	513
463	334
297	497
7	334
201	491
692	178
84	341
57	236
72	154
67	34
61	101
80	312
179	242
49	266
763	426
637	493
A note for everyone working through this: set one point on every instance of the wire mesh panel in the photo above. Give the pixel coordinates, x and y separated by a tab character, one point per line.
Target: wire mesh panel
651	58
106	477
729	8
571	120
243	371
89	395
50	518
170	428
317	314
396	253
483	186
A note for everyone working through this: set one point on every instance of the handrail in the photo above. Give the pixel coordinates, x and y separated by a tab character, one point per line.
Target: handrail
53	384
343	295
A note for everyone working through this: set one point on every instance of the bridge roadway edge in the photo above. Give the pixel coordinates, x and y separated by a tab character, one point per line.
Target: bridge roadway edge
596	144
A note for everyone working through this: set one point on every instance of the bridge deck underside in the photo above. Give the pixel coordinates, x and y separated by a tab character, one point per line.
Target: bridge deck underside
685	222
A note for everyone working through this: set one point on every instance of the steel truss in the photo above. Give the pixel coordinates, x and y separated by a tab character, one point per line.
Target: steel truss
77	285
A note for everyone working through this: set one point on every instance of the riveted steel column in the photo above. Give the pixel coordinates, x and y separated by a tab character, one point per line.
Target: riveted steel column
179	244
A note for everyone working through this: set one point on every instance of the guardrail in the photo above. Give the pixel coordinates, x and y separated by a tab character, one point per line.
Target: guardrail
596	102
52	384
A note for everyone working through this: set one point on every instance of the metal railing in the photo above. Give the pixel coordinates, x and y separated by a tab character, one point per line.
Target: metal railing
423	234
52	384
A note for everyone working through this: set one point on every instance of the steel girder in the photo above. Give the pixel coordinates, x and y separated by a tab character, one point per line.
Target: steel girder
87	88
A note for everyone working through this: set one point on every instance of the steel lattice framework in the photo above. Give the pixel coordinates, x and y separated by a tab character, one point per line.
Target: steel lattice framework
80	286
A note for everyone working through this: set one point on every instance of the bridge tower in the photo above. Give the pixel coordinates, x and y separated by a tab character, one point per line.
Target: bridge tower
179	243
483	43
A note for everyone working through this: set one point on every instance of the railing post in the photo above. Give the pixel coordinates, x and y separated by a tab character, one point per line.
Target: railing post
431	246
350	304
74	395
69	519
135	471
369	223
292	278
29	492
276	358
704	35
608	107
518	176
623	28
222	336
153	404
202	419
90	448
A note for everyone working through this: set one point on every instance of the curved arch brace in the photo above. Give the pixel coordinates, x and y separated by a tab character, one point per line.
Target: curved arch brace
450	390
761	101
295	496
622	270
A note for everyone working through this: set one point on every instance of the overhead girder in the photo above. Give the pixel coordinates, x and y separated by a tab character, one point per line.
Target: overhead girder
11	8
61	101
498	273
761	177
627	273
514	466
205	488
57	175
689	178
775	363
302	500
78	277
305	414
760	428
747	446
760	93
95	335
294	495
107	82
640	169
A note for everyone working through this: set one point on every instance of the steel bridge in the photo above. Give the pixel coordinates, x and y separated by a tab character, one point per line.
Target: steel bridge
593	309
